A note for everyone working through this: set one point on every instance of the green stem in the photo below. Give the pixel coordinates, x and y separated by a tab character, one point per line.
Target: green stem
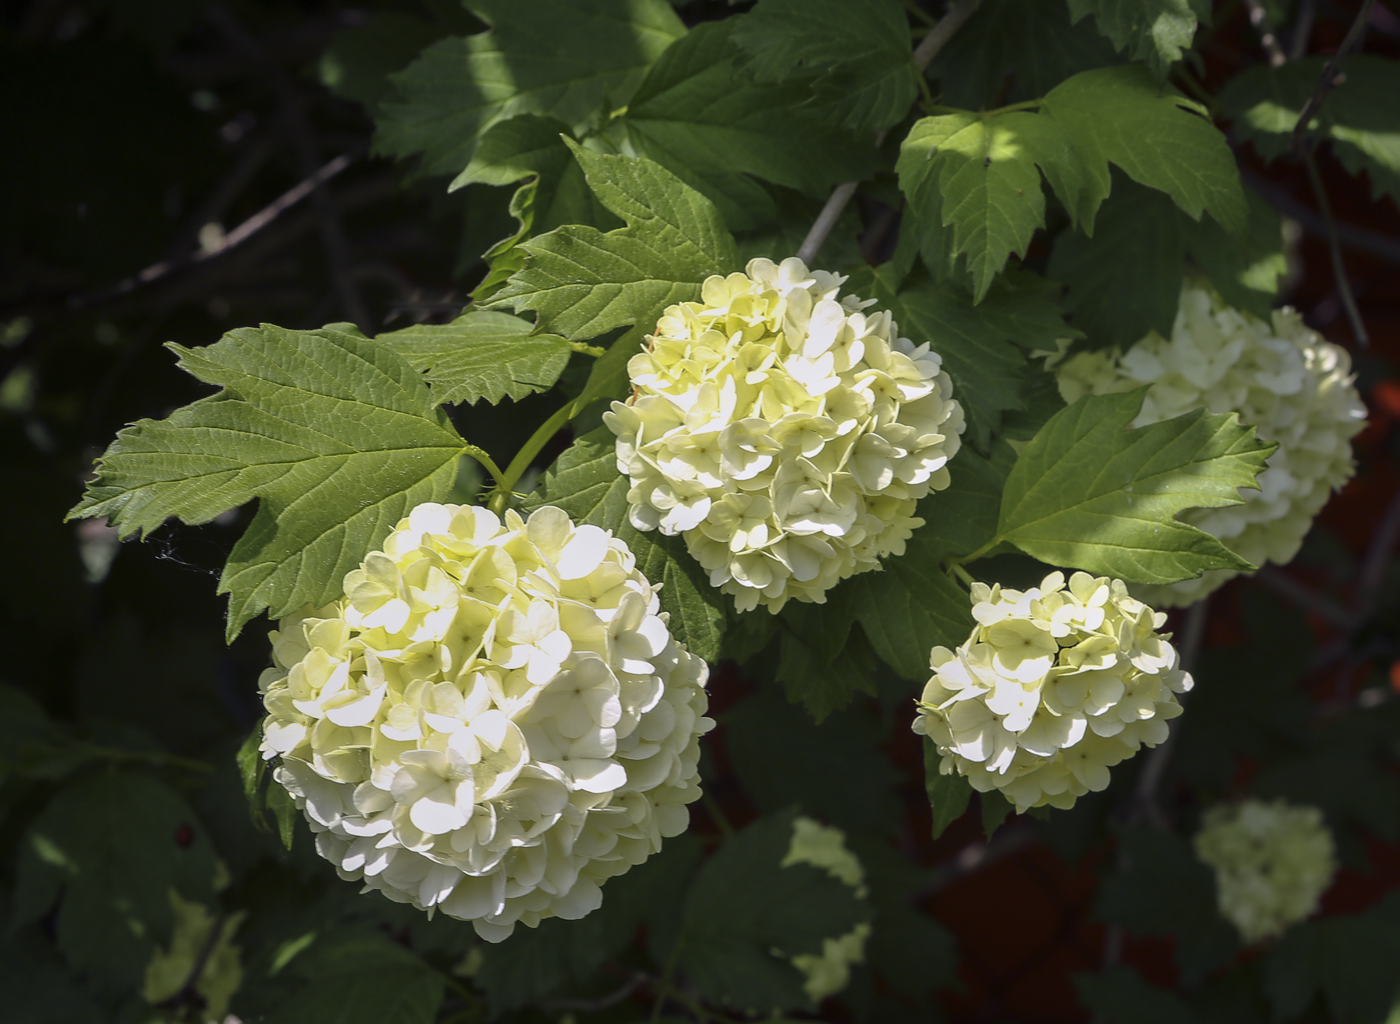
537	441
962	574
920	13
486	461
929	101
979	553
712	805
1011	108
589	350
147	757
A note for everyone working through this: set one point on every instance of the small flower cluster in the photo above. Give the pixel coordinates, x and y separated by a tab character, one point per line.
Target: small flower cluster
821	846
1272	863
492	721
1053	687
784	432
1295	389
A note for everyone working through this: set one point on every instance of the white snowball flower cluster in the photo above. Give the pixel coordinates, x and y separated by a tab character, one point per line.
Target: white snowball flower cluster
821	846
1294	387
492	721
784	432
1053	687
1272	863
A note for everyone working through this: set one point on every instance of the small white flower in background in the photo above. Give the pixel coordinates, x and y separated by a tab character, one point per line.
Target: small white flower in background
1291	385
1053	687
785	432
493	721
1272	863
821	846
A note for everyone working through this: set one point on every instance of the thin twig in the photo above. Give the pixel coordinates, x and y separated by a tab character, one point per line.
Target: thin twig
1373	242
240	234
1377	555
1331	74
1302	29
614	997
1305	597
841	195
333	238
975	856
1334	250
1259	18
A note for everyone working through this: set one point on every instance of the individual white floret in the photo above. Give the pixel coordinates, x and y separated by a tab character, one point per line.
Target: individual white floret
784	431
1272	863
492	721
822	846
1285	380
1053	687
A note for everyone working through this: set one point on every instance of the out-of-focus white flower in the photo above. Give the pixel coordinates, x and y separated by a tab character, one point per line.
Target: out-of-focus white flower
785	432
1285	380
1272	863
1053	687
822	846
492	721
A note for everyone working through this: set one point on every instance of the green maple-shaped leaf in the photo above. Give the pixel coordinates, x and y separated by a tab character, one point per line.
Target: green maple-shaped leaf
984	171
336	435
1156	31
1360	116
853	55
1087	492
584	282
1163	140
717	128
483	354
562	58
585	483
910	607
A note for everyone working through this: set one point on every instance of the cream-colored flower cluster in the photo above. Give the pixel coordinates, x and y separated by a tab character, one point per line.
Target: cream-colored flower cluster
1294	387
492	721
822	846
1272	863
785	432
1053	687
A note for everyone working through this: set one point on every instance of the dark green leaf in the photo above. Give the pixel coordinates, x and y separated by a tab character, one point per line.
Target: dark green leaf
911	607
482	355
975	341
1031	41
358	62
1159	137
108	849
855	55
948	795
1359	117
834	770
1156	31
995	810
585	483
1136	255
1087	492
1345	959
746	915
1246	270
962	518
335	434
366	981
1119	995
558	57
712	126
1162	889
584	283
535	962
